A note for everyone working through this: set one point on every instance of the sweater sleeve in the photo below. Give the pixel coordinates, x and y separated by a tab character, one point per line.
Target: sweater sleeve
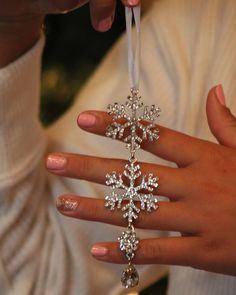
22	141
22	144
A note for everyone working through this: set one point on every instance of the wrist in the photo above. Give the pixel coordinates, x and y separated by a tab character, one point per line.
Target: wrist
17	36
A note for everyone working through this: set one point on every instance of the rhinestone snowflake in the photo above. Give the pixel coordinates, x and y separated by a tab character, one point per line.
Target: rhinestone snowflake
131	192
129	242
133	131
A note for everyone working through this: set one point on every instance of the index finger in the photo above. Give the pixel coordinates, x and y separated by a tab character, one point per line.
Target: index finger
172	145
102	12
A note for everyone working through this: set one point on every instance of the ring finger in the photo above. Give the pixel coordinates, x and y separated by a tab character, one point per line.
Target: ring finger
169	216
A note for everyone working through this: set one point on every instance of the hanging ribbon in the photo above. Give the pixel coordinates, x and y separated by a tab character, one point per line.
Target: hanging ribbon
133	45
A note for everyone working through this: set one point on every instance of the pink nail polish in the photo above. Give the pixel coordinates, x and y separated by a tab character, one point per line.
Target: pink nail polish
99	251
105	24
220	94
133	2
86	120
56	162
66	204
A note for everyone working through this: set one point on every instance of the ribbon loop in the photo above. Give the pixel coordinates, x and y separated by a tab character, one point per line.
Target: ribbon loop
133	45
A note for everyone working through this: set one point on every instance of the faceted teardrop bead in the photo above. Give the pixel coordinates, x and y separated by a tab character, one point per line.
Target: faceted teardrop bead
129	277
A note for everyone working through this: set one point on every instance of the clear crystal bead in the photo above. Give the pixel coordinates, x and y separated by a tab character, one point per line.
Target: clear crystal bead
129	277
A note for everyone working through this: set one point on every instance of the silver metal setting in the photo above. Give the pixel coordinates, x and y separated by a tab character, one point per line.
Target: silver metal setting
132	191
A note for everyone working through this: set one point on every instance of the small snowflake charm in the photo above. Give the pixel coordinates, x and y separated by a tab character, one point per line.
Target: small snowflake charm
129	242
137	130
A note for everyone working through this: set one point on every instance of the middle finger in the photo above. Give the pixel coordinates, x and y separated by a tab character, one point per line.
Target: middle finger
172	181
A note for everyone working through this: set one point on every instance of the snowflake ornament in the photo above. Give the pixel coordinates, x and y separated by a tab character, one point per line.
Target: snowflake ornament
139	191
133	131
132	191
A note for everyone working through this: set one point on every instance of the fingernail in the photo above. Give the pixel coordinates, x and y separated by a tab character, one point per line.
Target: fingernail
66	204
56	162
220	94
105	24
133	2
86	120
99	251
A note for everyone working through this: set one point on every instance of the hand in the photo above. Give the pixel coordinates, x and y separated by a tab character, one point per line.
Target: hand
202	193
21	21
102	11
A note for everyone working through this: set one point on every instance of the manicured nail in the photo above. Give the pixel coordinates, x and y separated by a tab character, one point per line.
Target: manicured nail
105	24
86	120
133	2
99	251
220	94
56	162
66	204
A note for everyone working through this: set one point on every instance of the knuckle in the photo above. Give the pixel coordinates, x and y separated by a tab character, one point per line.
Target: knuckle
207	249
106	3
79	167
211	244
155	252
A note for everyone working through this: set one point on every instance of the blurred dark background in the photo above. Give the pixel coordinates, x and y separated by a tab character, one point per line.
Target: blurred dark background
73	50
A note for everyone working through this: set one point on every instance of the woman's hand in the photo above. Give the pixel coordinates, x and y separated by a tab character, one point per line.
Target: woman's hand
21	21
102	11
202	193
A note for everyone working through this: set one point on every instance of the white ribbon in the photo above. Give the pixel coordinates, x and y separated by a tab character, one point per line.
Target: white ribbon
133	45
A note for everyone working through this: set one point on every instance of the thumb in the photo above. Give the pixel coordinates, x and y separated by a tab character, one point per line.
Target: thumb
221	122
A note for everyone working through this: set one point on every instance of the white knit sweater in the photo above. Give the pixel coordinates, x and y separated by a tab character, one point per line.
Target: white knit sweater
188	46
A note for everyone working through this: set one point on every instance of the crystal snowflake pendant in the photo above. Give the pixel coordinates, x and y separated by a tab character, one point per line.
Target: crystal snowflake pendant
132	191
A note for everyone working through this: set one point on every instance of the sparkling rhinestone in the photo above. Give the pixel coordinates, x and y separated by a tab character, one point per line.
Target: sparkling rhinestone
130	277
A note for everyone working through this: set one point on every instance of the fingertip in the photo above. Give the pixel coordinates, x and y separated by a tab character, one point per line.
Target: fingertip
219	93
131	3
104	25
216	93
215	100
55	162
86	120
66	205
99	251
102	14
108	252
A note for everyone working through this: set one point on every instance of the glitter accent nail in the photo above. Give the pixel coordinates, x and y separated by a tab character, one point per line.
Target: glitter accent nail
66	204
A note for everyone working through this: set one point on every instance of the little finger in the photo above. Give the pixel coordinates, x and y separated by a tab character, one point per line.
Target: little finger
172	251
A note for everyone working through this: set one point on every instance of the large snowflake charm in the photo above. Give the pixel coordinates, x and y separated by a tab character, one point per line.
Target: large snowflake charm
135	187
133	130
